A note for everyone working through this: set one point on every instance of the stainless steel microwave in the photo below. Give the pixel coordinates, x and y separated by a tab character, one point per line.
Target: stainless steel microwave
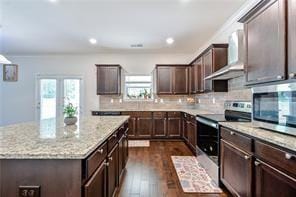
274	107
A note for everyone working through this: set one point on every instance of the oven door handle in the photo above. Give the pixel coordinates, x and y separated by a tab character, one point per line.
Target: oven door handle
207	122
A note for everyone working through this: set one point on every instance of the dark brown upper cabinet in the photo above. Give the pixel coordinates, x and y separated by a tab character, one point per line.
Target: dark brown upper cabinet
193	79
292	39
108	79
172	79
209	61
265	30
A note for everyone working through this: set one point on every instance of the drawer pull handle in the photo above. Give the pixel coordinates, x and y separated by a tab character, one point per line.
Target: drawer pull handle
110	158
114	135
232	133
100	151
247	157
257	163
107	164
289	156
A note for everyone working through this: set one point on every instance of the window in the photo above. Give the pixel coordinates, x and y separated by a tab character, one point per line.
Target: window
138	87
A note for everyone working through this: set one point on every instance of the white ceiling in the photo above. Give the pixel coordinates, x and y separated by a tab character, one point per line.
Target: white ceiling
41	27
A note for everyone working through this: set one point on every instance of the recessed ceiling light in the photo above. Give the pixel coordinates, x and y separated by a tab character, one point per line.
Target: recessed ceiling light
170	40
93	41
52	1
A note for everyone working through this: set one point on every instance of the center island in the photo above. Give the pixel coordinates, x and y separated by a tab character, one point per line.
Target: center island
46	158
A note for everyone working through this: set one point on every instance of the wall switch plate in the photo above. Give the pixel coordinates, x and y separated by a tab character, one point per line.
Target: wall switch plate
29	191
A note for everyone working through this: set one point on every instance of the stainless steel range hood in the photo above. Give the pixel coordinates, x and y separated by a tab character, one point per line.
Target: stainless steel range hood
236	54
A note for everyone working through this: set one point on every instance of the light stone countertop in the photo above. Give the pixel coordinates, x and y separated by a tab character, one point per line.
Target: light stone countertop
193	112
50	139
282	140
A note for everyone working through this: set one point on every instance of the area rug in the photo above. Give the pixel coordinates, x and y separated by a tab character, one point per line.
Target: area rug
192	176
138	143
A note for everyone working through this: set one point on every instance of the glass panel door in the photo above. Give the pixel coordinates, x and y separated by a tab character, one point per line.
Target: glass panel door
48	98
72	93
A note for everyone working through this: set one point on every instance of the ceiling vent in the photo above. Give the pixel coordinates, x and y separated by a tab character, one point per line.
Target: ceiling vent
136	45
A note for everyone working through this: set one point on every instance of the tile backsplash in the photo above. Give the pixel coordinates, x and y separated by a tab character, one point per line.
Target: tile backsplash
213	102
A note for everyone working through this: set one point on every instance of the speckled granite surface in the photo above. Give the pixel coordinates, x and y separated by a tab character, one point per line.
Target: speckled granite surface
278	139
193	112
50	139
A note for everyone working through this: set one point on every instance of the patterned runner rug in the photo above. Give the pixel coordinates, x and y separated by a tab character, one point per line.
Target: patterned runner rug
138	143
192	176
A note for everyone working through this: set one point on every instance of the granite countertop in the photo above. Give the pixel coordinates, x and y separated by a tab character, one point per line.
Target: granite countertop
50	139
193	112
282	140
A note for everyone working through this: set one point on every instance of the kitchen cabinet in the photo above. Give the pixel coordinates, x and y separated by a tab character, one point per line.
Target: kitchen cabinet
113	174
108	79
265	30
192	79
172	79
192	135
271	182
97	184
209	61
160	124
184	129
236	169
292	39
181	79
164	76
125	148
132	123
174	124
144	125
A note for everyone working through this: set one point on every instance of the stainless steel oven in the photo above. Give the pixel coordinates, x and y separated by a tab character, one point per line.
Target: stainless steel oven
274	107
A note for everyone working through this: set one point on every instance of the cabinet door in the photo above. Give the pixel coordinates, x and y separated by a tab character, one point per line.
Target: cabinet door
125	149
207	63
174	126
113	174
181	80
120	156
292	39
271	182
200	75
185	130
108	80
96	186
164	75
191	127
193	79
236	170
160	124
131	123
144	125
266	35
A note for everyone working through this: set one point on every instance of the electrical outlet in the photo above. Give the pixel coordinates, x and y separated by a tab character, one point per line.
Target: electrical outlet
29	191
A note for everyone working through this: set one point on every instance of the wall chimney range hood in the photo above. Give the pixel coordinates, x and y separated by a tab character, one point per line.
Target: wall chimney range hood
236	54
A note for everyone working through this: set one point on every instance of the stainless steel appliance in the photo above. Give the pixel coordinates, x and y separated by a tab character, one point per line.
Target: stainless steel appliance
274	107
208	135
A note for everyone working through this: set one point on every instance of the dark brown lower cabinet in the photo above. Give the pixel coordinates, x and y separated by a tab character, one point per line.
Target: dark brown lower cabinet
271	182
132	123
144	125
174	126
97	184
184	129
192	134
113	174
159	124
125	148
120	156
236	169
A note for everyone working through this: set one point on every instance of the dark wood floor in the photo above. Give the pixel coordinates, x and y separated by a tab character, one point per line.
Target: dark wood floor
150	172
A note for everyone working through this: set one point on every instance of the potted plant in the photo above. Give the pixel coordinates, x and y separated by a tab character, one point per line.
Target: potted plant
70	111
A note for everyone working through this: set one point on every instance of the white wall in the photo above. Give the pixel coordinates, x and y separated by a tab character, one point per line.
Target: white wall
18	98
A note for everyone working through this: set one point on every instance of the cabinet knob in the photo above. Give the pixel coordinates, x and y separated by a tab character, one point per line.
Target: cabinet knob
100	151
279	77
114	135
110	158
247	157
289	156
292	75
232	133
106	164
257	163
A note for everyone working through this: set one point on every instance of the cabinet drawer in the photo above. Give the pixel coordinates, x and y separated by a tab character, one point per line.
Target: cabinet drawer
174	114
277	157
159	114
145	114
237	139
112	140
95	159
